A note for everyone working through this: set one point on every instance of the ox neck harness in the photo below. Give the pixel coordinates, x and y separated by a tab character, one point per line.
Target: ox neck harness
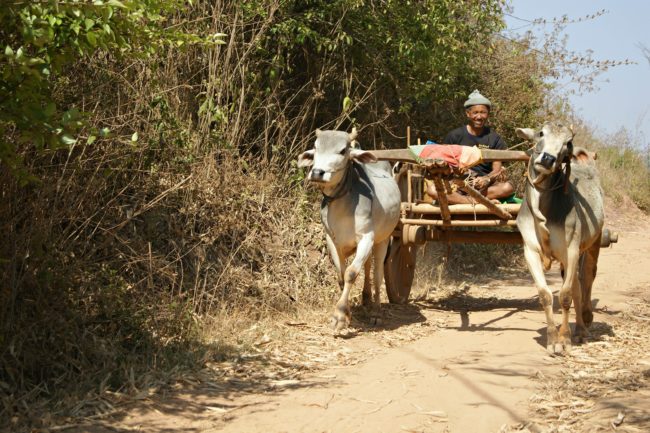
342	188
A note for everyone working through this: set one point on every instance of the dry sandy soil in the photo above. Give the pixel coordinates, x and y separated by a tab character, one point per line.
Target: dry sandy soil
472	362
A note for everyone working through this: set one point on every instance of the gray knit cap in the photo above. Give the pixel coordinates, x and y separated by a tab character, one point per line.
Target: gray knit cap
475	98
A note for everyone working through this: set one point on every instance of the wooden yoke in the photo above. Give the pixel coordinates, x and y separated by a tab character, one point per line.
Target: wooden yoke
487	155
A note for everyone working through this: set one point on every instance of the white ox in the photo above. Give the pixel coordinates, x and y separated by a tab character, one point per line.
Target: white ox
561	219
360	209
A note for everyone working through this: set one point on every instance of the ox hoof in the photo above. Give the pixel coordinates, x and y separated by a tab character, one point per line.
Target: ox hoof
559	348
581	335
565	342
557	343
340	320
587	317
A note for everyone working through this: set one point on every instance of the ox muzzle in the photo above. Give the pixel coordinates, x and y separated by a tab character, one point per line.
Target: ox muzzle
317	175
547	160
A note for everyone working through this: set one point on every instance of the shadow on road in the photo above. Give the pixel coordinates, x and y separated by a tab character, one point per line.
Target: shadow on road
389	318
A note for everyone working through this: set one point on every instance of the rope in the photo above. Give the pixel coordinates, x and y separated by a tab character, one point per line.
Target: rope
342	188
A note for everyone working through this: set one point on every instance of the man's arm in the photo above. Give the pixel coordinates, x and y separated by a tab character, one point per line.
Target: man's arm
483	182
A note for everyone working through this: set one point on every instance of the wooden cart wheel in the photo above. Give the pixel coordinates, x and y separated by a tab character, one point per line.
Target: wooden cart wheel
399	269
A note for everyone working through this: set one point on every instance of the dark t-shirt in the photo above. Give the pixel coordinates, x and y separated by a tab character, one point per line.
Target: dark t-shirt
488	139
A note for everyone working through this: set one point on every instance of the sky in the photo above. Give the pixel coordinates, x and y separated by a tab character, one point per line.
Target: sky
623	97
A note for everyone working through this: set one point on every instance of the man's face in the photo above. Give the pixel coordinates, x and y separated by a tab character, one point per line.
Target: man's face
478	115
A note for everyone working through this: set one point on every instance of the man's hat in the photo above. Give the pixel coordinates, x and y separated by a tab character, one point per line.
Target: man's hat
475	98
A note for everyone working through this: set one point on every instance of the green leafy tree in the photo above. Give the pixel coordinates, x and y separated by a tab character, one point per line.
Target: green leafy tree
418	50
336	63
41	40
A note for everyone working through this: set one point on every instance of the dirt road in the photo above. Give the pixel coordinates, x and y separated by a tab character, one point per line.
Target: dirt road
475	362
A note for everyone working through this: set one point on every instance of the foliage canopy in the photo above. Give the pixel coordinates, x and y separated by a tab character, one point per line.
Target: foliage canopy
41	41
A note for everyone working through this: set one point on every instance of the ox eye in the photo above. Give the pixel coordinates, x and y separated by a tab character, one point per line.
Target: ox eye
541	133
342	152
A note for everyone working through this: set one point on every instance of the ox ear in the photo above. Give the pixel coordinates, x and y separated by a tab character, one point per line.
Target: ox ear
352	135
363	156
525	133
580	155
306	158
318	133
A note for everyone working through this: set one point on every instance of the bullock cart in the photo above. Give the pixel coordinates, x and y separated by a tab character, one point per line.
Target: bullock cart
421	220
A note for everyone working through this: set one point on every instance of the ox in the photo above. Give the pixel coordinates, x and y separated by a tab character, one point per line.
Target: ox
360	209
561	219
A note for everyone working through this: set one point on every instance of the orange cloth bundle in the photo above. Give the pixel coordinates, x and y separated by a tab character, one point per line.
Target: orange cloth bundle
455	155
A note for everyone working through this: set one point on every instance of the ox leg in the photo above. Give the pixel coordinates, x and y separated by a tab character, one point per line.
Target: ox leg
589	265
581	334
341	315
536	267
366	296
379	255
372	287
337	258
569	292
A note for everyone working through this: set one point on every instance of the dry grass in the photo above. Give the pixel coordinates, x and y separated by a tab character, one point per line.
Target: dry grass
119	265
603	385
443	268
135	267
623	163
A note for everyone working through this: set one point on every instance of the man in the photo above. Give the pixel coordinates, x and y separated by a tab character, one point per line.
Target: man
489	178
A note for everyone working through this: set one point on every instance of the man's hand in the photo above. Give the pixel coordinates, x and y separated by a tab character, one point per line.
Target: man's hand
481	182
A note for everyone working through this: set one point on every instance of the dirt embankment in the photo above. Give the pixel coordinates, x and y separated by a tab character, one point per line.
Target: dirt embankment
471	362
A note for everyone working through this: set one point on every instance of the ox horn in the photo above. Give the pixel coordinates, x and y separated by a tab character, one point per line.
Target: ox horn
352	135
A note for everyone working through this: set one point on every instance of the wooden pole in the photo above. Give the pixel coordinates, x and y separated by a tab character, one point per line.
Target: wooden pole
484	200
401	155
442	198
484	237
459	209
460	223
490	155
